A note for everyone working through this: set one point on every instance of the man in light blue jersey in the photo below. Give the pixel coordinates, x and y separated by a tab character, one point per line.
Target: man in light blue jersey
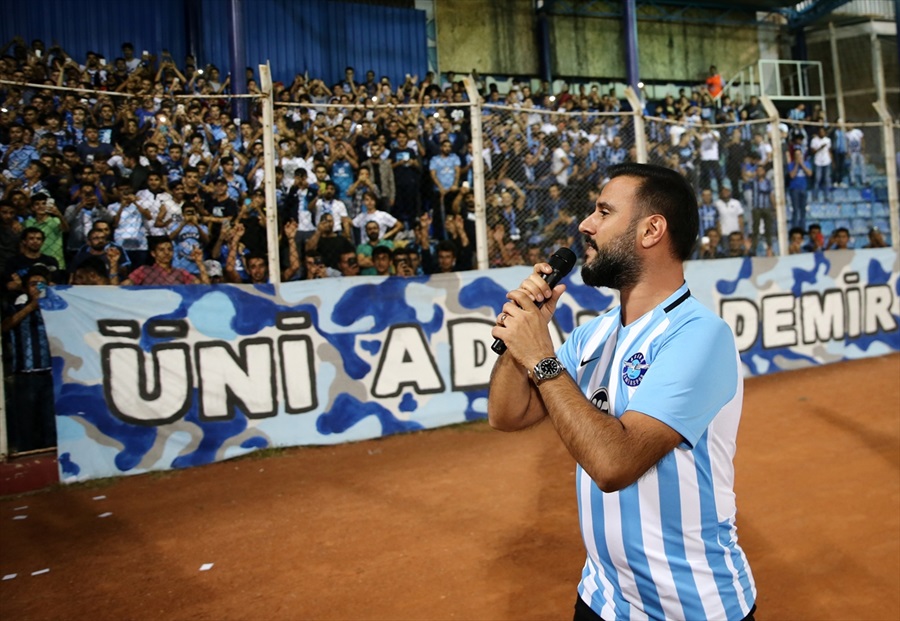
647	399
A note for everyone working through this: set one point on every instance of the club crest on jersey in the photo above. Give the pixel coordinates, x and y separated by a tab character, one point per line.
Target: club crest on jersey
600	399
633	370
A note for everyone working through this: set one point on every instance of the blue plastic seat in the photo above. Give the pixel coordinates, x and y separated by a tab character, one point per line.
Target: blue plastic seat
816	211
860	226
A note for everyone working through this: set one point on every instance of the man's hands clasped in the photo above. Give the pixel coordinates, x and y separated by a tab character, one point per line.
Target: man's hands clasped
522	325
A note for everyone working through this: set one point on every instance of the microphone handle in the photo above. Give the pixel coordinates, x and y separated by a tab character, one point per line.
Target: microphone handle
552	279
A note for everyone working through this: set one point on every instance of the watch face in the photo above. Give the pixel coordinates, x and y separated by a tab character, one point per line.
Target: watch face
548	368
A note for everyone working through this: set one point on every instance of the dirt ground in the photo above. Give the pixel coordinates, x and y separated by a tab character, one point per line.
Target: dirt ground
461	523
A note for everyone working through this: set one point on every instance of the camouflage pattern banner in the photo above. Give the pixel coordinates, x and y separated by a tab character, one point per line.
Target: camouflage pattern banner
170	377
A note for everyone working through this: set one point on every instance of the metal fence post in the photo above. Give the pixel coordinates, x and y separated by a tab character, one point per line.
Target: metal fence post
640	135
481	252
777	174
890	166
268	114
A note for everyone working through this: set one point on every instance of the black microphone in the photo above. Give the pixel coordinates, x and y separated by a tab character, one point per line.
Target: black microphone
562	262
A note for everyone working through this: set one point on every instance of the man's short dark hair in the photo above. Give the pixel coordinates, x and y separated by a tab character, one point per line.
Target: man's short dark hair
32	229
42	168
159	242
446	245
795	230
38	270
377	251
94	265
668	193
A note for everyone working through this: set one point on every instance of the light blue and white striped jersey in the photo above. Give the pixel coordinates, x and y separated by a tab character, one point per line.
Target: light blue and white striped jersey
666	546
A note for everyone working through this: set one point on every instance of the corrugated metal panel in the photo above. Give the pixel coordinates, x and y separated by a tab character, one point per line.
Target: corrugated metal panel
295	35
390	41
320	37
100	26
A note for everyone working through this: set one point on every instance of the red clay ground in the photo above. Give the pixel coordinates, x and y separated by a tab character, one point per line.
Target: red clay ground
462	523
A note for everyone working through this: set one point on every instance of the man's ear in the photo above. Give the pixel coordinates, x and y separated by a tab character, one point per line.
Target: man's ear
652	230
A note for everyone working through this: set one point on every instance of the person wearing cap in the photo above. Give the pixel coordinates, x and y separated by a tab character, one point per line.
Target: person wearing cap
214	271
876	239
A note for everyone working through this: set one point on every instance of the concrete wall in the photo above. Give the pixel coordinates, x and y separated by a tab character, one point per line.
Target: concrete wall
499	37
493	36
858	67
667	51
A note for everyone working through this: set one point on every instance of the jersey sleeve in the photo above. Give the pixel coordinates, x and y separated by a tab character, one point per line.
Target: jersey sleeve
694	374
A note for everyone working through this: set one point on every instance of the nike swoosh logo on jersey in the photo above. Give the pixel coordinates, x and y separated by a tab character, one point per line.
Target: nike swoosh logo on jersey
584	362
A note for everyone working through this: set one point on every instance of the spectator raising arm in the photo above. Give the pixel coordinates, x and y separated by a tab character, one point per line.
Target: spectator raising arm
290	235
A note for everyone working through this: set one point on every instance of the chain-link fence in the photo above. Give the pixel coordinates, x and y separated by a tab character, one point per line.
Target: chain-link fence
407	168
543	173
289	190
837	180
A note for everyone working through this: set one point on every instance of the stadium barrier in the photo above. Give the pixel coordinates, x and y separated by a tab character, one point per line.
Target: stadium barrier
505	195
170	377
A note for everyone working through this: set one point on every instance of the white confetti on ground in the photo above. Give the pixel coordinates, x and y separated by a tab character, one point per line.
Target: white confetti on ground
99	497
20	508
9	576
206	566
107	514
20	517
40	571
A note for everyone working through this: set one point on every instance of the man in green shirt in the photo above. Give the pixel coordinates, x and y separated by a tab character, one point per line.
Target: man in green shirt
364	250
48	219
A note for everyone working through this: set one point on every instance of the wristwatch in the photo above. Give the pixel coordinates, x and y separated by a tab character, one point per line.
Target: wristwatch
547	369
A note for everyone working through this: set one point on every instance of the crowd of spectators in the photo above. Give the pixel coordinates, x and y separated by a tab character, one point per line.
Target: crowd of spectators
149	153
140	170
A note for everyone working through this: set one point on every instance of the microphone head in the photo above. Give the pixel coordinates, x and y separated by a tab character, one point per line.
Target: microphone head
563	260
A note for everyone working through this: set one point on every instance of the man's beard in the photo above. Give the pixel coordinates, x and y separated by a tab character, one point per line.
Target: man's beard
616	265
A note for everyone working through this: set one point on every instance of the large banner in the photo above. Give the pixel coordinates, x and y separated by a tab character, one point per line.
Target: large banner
170	377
